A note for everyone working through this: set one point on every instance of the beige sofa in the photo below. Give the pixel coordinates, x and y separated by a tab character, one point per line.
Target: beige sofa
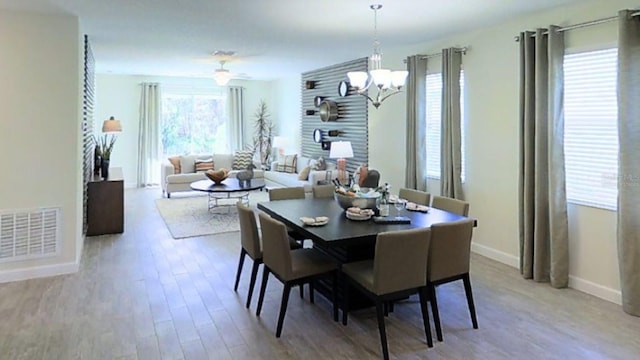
172	182
291	179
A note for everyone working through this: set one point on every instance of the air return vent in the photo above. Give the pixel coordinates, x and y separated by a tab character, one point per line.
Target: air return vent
29	234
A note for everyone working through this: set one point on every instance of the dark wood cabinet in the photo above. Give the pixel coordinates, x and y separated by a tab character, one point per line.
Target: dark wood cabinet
105	204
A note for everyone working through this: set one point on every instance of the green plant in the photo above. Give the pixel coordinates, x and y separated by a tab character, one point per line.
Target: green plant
263	133
105	145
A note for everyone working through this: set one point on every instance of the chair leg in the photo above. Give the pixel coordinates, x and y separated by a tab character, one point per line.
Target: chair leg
334	295
265	277
434	310
345	299
243	252
283	308
381	329
252	283
311	298
472	308
425	315
301	291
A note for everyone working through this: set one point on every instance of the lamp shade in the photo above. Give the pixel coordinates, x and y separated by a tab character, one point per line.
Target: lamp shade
341	150
111	126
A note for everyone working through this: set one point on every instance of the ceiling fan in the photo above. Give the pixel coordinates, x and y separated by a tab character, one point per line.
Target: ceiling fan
221	75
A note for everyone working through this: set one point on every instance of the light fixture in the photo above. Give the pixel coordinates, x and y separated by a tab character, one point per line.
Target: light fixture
111	126
386	81
222	75
341	150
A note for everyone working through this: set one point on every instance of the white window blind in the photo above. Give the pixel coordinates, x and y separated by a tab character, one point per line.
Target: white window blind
591	129
434	120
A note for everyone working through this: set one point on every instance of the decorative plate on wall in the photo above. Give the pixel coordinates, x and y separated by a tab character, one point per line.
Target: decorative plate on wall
317	135
318	100
328	110
343	88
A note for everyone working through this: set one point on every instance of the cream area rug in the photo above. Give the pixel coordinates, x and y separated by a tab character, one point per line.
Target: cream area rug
188	216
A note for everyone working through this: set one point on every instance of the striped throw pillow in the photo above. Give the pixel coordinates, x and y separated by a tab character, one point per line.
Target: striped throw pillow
288	164
203	165
242	159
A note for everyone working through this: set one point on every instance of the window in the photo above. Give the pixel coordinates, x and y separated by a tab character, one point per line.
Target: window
591	128
434	108
193	123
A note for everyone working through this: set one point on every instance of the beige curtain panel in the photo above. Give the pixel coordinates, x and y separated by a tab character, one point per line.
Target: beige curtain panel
416	173
543	226
451	142
149	147
235	109
629	167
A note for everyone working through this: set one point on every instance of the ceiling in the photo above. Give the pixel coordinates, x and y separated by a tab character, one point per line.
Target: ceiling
271	38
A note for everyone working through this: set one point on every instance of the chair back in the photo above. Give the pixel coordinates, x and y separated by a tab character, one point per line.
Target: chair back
323	191
450	249
372	179
416	196
249	237
451	205
400	260
276	253
286	193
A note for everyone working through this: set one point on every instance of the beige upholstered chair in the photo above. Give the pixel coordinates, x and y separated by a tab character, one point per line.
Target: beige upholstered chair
451	205
250	241
397	270
291	267
449	257
286	193
323	191
416	196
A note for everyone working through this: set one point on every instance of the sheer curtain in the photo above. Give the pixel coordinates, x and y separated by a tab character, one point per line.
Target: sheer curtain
450	145
415	176
235	109
543	226
629	168
149	135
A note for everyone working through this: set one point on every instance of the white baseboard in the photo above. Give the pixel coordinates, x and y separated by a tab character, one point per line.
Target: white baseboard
596	290
38	272
496	255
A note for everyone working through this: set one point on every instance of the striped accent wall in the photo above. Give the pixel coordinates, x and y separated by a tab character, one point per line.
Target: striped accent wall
352	119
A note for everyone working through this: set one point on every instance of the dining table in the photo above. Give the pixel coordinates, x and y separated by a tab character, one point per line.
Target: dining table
343	239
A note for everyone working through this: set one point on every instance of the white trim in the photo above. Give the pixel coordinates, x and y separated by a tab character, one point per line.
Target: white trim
38	272
596	290
496	255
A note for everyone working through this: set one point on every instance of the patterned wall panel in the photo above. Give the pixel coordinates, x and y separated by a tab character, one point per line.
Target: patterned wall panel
88	101
352	119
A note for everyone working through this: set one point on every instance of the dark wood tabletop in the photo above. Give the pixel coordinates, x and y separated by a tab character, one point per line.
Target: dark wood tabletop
228	185
341	231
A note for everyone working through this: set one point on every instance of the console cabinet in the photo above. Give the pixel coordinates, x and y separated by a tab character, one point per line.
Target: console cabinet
105	204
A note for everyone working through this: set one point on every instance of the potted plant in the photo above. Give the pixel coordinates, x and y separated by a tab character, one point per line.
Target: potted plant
104	147
263	133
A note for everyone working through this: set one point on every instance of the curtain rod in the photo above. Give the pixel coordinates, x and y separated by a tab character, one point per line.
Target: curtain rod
584	24
462	50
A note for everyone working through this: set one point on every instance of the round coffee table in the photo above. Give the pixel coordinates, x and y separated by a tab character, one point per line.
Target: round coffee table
230	188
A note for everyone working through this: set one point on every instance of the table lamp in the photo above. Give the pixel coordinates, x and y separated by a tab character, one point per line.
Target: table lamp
341	150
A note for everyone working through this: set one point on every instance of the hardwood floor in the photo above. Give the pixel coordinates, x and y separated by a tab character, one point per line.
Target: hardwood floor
144	295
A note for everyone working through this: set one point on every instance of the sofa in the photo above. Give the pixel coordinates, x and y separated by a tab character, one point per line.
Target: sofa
285	179
174	182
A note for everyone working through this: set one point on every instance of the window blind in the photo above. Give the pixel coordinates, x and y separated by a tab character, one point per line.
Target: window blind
591	129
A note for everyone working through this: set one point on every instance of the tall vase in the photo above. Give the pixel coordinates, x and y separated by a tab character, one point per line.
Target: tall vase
97	159
104	168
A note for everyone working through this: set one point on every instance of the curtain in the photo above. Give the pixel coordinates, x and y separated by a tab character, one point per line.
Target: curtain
235	109
628	166
149	135
415	175
450	145
543	225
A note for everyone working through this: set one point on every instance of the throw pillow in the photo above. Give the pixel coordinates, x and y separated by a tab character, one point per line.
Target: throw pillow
175	161
288	164
187	164
242	159
322	165
304	174
203	165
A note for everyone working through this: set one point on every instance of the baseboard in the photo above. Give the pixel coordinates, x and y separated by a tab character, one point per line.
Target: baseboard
496	255
38	272
596	290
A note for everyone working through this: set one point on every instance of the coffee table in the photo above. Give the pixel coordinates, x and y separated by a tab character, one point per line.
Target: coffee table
230	188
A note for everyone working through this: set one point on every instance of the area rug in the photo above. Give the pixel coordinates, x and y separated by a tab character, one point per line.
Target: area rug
188	216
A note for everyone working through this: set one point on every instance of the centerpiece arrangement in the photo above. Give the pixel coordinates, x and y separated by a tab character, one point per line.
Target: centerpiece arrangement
363	198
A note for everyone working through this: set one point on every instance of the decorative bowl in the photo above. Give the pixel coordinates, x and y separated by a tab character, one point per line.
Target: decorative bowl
217	176
346	201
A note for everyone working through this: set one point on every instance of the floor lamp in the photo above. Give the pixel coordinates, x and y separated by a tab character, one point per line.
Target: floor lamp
341	150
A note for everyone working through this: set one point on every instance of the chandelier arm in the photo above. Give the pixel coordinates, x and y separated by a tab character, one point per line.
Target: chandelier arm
393	92
365	94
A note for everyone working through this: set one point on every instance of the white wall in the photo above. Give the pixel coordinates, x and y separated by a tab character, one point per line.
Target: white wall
286	111
40	82
119	96
492	75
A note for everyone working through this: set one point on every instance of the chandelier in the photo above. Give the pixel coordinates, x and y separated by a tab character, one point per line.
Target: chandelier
386	81
222	75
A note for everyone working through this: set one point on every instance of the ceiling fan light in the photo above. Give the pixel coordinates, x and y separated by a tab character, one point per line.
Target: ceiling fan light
222	77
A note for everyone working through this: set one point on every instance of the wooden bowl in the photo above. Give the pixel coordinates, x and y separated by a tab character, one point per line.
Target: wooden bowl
217	176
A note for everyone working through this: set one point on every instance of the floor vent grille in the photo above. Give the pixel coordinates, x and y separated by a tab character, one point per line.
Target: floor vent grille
29	234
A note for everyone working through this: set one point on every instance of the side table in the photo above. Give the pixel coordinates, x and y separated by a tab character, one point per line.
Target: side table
105	204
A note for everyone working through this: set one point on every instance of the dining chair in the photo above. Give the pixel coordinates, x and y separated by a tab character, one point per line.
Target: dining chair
291	267
372	179
286	193
451	205
396	271
416	196
323	191
449	258
250	245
